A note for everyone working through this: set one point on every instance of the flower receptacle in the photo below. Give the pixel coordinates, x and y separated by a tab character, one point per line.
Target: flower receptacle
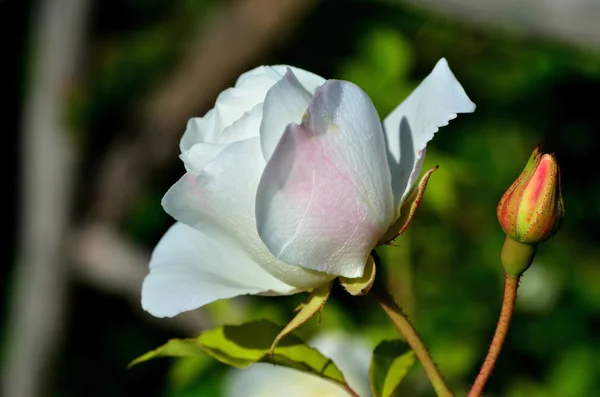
530	211
516	257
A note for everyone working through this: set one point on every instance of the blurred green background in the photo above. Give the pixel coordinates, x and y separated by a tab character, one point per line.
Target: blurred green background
445	269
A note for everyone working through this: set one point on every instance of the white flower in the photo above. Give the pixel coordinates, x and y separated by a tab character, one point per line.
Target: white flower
351	354
291	181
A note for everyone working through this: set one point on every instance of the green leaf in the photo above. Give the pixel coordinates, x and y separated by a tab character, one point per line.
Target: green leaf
242	345
390	364
173	348
185	372
315	302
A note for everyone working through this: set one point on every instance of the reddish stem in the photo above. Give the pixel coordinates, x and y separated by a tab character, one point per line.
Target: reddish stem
511	283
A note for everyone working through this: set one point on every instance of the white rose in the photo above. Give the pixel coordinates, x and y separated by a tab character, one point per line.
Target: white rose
291	181
350	353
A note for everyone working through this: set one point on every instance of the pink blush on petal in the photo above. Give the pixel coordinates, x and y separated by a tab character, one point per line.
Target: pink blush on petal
319	186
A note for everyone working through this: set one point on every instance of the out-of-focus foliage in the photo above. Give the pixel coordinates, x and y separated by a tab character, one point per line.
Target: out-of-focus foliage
173	348
391	361
445	270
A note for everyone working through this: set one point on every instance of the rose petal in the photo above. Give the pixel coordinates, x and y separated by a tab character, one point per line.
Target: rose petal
285	103
325	196
199	155
248	126
199	129
250	90
189	269
220	202
435	102
309	80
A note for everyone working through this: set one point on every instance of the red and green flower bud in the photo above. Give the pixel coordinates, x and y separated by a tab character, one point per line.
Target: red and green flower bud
530	211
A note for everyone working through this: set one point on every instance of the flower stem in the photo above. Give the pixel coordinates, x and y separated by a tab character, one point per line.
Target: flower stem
511	283
412	338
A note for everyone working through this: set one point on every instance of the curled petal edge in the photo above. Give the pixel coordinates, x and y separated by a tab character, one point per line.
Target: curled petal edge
361	285
408	210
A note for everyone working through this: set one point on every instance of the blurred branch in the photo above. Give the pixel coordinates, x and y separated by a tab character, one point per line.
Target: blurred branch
568	21
46	193
111	263
238	37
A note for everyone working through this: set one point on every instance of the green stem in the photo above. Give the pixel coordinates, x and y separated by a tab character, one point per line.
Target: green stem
412	338
511	284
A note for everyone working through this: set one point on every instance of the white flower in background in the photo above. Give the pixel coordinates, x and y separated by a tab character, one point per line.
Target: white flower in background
539	289
350	353
291	181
